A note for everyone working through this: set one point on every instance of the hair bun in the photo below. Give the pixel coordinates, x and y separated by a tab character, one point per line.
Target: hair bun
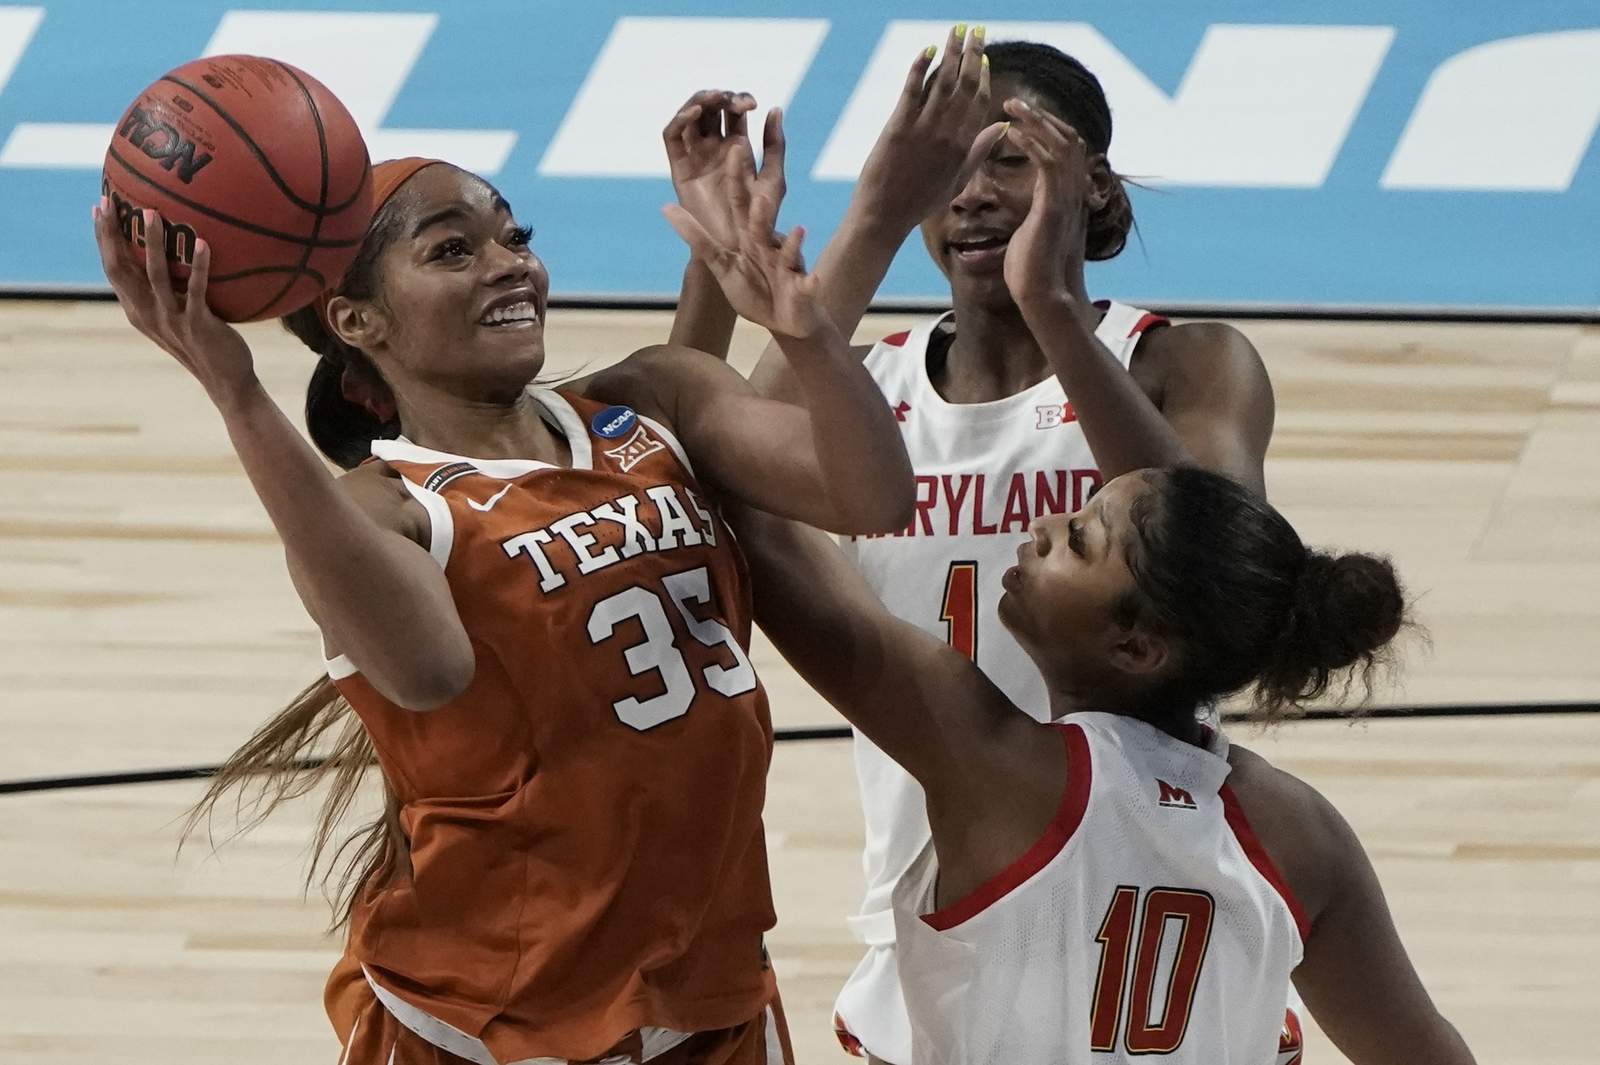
1346	610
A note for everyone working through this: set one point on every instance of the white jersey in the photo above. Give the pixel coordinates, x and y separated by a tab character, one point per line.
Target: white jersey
1147	920
984	471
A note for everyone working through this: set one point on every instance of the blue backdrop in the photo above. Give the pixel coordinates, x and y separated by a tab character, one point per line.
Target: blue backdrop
1417	154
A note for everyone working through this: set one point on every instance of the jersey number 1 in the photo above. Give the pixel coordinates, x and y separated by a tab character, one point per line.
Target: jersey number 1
658	650
960	610
1192	911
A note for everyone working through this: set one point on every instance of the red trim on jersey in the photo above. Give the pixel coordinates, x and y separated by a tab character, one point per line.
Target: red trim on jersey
897	340
847	1039
1260	859
1146	322
1074	800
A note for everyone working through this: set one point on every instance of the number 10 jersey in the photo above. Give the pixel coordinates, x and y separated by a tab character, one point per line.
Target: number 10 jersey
984	472
584	821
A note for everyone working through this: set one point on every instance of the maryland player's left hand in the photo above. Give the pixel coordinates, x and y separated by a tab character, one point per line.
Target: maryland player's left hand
1051	238
761	272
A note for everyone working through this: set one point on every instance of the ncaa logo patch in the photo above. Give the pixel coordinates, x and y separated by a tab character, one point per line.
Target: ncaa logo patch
614	422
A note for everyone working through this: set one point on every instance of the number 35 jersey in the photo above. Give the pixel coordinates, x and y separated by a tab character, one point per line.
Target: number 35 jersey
584	821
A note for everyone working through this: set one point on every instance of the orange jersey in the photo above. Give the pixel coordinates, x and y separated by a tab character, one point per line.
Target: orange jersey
584	820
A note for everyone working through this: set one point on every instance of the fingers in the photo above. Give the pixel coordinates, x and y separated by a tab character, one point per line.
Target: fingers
194	306
126	281
1046	129
739	171
970	74
682	122
985	142
948	73
155	263
790	256
916	78
774	146
694	234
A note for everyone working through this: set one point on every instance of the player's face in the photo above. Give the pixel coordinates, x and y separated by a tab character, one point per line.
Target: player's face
967	237
465	294
1062	597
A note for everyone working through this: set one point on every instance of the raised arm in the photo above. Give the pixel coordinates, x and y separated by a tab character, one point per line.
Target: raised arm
1217	407
698	141
376	593
913	695
934	138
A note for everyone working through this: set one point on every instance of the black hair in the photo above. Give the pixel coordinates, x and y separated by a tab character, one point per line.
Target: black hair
343	430
1075	95
1245	602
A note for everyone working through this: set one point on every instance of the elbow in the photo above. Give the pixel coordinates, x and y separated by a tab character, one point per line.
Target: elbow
433	681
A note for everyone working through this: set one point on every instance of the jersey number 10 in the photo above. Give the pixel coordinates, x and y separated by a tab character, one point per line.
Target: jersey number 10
658	651
1134	979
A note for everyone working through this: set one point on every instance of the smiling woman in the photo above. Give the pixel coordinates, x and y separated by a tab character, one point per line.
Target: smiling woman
539	623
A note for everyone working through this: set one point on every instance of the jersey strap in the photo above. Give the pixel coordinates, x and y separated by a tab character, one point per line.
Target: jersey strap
1259	858
1060	830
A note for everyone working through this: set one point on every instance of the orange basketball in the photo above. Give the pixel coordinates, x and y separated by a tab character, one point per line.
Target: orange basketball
261	161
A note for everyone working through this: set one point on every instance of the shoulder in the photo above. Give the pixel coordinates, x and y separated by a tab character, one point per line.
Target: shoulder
1304	834
1199	355
377	488
652	379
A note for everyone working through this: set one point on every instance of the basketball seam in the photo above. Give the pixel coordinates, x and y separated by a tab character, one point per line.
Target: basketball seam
322	193
261	157
238	223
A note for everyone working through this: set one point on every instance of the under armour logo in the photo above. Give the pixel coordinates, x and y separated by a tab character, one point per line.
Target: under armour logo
901	409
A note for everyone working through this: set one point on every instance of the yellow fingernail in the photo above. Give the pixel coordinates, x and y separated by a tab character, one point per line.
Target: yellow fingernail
986	62
961	31
931	51
977	31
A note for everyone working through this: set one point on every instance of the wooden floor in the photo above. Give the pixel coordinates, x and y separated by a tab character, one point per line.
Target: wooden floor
146	621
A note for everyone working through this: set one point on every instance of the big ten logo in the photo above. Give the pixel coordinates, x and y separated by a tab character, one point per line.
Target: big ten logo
1053	414
179	238
161	141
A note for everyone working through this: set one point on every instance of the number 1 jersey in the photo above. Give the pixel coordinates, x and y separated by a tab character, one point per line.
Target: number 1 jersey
584	821
984	471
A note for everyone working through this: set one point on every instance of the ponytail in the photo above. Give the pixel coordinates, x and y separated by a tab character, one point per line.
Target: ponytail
317	738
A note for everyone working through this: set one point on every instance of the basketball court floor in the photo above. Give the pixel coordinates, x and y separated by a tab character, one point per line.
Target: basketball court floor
146	622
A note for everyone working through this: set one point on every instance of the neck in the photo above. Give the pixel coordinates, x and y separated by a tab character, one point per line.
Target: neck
489	429
995	354
1066	700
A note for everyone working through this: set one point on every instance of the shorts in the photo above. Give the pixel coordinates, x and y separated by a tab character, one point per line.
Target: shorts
375	1037
869	1016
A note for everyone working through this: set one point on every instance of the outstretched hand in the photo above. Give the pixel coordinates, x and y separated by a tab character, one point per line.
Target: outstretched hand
762	273
701	142
936	136
176	319
1052	235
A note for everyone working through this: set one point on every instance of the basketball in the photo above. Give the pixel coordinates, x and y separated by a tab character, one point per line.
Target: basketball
261	161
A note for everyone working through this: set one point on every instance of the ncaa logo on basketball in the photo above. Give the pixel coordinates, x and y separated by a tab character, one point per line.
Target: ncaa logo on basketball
613	422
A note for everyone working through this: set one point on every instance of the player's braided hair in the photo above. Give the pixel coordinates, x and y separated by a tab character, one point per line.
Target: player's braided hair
1075	95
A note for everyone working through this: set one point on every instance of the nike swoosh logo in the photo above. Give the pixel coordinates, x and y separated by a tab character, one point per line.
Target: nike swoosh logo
489	504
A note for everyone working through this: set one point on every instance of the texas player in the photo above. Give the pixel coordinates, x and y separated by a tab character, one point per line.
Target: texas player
540	624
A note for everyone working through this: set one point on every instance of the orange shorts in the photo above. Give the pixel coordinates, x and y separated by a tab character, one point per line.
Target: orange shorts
375	1037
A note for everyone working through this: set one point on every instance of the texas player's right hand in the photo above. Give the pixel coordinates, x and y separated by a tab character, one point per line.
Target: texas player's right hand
935	138
178	321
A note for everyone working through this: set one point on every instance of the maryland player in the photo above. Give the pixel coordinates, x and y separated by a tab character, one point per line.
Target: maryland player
541	623
1118	883
1015	405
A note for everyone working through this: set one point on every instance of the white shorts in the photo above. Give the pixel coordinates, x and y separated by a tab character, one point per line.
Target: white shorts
869	1015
